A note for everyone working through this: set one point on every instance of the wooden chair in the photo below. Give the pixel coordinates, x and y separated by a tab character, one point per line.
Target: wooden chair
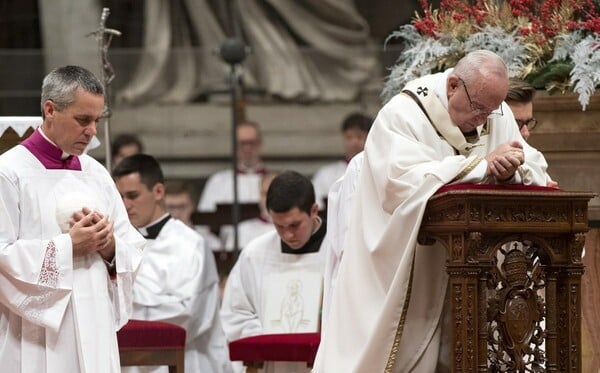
152	343
255	350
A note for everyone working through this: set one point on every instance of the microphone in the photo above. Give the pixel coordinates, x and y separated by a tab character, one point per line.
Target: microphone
233	51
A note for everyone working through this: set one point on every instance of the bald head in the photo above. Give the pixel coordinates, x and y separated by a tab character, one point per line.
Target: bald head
483	63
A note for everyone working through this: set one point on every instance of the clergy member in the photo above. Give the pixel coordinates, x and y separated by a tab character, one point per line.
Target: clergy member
449	127
294	245
68	254
177	281
219	186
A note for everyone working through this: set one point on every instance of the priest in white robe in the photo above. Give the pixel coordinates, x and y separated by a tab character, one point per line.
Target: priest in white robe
177	281
68	254
219	186
296	245
450	127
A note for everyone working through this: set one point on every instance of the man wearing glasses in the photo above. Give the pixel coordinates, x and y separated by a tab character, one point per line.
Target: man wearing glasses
219	186
520	100
451	127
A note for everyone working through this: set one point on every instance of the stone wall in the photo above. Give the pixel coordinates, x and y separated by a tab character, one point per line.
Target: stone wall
193	141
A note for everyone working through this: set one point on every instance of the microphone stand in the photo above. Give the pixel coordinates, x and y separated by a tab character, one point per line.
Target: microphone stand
233	51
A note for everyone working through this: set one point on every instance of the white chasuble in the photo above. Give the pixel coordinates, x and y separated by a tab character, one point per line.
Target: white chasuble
406	161
59	313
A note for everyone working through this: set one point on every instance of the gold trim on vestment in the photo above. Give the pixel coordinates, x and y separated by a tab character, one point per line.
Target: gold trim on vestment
392	357
468	169
438	115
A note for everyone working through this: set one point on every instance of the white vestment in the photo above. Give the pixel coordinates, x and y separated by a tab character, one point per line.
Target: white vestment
178	283
406	161
325	177
59	313
339	208
244	297
219	189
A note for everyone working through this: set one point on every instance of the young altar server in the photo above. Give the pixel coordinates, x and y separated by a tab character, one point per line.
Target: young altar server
177	281
295	245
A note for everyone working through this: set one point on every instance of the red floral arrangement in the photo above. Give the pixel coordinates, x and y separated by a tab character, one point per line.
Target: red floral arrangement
553	44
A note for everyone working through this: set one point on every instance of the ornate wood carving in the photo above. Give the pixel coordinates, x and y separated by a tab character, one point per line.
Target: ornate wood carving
457	300
455	213
457	247
524	213
515	312
471	312
514	266
576	247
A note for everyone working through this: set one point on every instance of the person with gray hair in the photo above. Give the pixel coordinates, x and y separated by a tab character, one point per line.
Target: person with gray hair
69	254
451	127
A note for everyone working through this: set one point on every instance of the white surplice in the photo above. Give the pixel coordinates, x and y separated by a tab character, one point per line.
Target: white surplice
178	283
59	313
244	297
406	161
325	177
219	189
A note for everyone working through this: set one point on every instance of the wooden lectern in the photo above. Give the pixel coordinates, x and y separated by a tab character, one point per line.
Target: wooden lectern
514	267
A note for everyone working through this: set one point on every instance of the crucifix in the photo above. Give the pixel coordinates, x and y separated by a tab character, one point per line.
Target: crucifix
104	37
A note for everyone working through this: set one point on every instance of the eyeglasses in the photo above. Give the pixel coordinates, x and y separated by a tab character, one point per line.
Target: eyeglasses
479	110
530	123
253	142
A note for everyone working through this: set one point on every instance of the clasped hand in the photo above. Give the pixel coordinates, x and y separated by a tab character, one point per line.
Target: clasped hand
504	161
90	232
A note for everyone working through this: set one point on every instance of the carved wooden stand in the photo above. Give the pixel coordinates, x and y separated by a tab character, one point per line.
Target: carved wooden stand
514	266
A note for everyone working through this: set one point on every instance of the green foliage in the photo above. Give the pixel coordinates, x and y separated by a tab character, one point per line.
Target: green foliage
551	76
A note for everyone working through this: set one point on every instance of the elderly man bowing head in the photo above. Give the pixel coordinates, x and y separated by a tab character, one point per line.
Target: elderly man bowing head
450	127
